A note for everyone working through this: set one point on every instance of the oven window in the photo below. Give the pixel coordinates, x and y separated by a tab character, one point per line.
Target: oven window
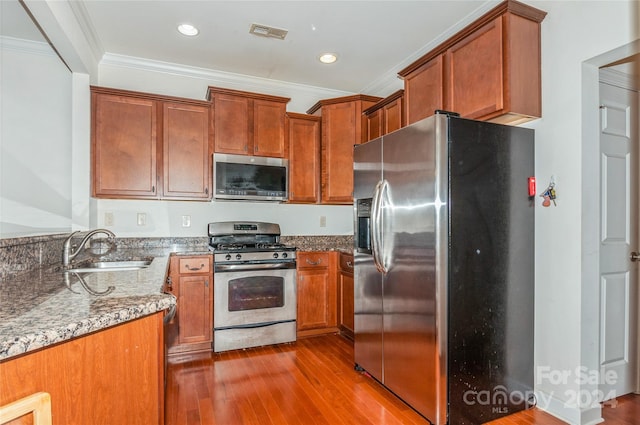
251	293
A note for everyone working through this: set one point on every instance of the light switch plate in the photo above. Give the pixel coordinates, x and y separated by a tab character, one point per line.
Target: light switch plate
108	219
186	221
142	219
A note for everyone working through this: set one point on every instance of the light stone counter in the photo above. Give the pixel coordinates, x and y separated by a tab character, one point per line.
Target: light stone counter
48	306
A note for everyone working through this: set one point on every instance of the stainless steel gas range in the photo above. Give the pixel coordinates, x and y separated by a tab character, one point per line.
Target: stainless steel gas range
254	285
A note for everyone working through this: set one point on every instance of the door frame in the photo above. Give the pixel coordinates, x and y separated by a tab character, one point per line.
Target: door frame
590	254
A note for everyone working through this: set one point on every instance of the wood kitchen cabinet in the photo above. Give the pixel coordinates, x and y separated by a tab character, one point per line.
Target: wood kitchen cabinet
191	282
317	295
146	146
343	126
488	71
385	116
248	123
345	295
304	158
114	376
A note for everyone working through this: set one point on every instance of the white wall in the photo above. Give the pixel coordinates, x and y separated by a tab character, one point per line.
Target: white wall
35	151
572	33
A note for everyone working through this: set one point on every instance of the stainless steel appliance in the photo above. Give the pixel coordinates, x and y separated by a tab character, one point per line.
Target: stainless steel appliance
250	177
444	276
254	285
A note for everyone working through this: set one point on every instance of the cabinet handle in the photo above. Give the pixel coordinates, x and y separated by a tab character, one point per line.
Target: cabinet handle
206	283
349	264
153	189
314	263
169	284
194	269
206	190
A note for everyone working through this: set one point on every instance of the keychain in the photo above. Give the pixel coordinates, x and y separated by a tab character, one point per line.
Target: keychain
549	194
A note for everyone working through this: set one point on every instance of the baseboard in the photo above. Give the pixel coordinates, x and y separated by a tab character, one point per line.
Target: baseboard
573	415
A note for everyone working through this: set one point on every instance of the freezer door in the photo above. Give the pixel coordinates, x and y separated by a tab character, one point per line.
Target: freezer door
367	280
415	231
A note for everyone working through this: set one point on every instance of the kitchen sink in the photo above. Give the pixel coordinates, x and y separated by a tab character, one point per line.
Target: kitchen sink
110	266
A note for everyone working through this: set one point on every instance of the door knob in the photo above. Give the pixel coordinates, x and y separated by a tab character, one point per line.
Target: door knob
635	256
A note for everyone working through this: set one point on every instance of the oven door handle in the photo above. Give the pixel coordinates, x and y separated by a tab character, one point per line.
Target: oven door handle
253	325
255	266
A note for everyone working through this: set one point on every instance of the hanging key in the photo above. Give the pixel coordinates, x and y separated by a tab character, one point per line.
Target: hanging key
552	195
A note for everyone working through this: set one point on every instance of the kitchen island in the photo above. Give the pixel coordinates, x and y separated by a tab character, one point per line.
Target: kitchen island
93	341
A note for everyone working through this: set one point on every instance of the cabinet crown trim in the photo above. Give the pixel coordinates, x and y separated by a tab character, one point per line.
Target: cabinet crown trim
212	91
352	98
509	6
387	100
148	96
300	116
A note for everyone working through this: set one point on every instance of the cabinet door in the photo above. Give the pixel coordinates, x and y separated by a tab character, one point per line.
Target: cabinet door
231	124
194	307
475	72
186	151
424	90
317	294
269	128
339	134
345	291
124	147
374	124
392	116
304	159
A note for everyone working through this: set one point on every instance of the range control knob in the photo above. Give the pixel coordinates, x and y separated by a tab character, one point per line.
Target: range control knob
227	257
284	255
238	256
275	255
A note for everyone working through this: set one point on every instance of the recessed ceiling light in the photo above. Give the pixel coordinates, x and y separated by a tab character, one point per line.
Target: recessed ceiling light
328	58
188	29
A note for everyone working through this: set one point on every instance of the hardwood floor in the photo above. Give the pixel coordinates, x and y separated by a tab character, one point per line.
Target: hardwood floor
311	381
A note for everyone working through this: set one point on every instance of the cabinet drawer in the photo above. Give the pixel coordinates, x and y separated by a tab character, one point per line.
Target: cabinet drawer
346	263
194	265
308	260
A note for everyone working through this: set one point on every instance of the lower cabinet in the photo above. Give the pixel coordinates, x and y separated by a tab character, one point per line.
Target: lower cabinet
345	295
114	376
191	281
317	295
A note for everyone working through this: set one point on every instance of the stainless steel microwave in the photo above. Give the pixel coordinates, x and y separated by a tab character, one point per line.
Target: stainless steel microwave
246	177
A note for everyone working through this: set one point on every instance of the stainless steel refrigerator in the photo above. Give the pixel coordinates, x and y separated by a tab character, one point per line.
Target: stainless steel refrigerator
444	267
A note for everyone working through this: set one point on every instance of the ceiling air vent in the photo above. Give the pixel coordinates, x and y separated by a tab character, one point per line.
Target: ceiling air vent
267	31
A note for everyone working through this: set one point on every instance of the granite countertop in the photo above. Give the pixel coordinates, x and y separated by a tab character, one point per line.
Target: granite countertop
48	305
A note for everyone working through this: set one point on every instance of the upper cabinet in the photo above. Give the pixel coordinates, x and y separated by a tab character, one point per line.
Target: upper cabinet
385	116
248	123
488	71
304	158
343	125
149	147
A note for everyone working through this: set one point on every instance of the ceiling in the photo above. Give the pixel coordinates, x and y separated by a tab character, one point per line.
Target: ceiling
371	38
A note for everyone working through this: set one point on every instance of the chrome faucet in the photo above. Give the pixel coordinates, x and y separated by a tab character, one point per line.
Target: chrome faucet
67	250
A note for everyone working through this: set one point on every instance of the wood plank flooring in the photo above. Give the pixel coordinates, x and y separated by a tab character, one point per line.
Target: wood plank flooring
311	381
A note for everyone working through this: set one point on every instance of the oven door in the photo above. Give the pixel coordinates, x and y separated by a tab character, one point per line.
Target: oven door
253	308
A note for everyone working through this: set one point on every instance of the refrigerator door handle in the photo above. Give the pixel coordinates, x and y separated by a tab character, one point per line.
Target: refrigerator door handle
376	226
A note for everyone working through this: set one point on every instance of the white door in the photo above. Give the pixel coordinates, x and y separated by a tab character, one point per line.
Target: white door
618	239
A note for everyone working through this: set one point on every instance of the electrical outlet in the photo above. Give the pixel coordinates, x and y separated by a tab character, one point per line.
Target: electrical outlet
186	221
142	219
108	219
323	221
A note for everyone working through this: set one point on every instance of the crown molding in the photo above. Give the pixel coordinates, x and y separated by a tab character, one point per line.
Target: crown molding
81	15
219	78
27	46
